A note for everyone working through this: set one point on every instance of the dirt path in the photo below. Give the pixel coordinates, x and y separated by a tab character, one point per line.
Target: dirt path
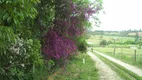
125	65
105	72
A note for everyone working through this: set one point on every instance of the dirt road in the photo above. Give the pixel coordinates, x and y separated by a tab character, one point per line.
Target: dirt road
125	65
105	72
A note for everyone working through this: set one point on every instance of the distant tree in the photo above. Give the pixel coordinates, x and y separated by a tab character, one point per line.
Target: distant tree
129	30
103	43
136	37
109	42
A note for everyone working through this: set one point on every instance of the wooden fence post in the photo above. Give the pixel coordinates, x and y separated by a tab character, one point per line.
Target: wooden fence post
114	48
135	51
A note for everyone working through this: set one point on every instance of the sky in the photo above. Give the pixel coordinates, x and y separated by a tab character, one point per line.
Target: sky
120	15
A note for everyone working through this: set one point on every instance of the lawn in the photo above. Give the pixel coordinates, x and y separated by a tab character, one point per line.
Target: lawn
76	70
124	54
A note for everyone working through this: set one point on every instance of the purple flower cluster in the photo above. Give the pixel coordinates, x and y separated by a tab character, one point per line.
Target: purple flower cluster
57	46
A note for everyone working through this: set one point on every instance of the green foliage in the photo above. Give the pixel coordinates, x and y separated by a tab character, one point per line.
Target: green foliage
81	44
44	19
50	64
6	37
129	42
22	26
103	42
109	42
41	73
15	11
19	58
20	50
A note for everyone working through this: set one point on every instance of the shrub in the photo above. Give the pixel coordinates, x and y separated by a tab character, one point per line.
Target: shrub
103	43
109	42
81	44
129	42
19	58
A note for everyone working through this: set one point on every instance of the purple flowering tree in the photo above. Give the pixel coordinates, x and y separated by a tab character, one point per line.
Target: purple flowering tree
69	23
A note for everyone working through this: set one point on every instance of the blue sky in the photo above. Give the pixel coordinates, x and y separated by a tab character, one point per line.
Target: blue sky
120	15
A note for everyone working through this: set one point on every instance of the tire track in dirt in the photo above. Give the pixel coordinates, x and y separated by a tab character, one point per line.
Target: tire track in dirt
105	72
123	64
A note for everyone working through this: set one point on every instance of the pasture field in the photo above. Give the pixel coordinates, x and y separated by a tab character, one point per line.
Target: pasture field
122	51
123	54
95	39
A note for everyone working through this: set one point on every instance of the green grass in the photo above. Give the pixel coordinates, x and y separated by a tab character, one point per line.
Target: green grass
95	39
123	73
76	70
124	54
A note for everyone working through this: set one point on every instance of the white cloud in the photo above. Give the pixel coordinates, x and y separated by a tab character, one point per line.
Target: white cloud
121	15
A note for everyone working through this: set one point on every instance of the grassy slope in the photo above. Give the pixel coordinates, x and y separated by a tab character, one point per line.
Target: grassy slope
76	70
126	55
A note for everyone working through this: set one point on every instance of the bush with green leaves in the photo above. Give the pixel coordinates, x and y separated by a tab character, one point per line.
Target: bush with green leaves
16	11
81	44
129	42
103	43
23	24
19	58
20	51
109	42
